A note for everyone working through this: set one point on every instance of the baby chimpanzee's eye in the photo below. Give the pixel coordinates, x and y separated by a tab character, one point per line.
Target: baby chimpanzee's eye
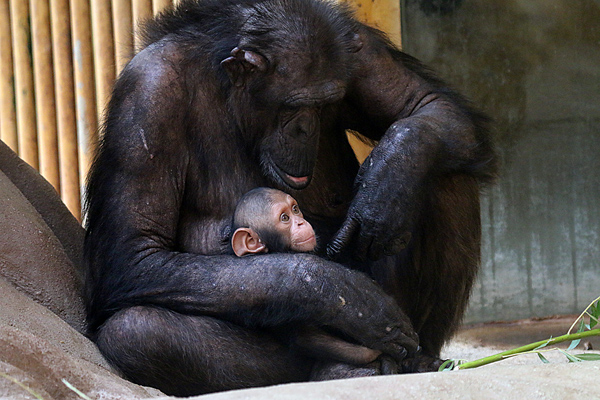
296	209
284	217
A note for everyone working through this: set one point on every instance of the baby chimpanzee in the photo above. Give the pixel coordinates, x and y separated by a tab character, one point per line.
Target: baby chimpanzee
269	220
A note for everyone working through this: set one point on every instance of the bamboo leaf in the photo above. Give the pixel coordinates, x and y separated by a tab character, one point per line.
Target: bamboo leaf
593	321
77	391
22	385
447	365
544	359
570	356
594	314
543	344
588	356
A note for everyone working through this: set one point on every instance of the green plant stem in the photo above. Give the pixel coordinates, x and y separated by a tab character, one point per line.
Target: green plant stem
583	313
529	347
22	385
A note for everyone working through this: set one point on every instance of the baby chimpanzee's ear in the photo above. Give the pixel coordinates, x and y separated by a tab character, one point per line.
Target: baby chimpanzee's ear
245	241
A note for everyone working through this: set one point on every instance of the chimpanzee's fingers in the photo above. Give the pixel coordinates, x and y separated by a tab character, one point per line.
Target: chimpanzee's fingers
342	238
363	245
401	347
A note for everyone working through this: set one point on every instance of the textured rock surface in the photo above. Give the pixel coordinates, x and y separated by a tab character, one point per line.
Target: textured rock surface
552	381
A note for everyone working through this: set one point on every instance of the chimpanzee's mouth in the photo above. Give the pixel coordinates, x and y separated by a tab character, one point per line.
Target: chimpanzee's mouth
300	182
295	182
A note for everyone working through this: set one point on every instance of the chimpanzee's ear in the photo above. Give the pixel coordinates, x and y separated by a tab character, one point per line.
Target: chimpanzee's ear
356	43
242	63
245	241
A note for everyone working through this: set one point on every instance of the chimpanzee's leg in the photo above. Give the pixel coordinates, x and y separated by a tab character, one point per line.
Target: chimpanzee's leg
328	370
185	355
432	278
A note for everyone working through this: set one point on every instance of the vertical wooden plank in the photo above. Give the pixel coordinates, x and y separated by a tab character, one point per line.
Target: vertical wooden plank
159	5
65	105
381	14
8	115
23	68
85	92
104	66
44	92
385	16
142	10
123	30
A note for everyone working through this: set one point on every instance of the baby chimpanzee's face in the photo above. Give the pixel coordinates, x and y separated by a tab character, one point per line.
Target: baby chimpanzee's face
289	222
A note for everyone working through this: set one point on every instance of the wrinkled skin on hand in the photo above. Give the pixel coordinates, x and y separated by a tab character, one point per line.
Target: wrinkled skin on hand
381	216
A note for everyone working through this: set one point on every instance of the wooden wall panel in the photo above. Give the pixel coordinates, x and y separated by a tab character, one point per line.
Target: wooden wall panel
381	14
45	105
23	69
85	91
65	105
8	114
142	10
104	61
123	29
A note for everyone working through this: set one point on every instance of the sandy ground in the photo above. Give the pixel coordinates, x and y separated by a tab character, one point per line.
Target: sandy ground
482	340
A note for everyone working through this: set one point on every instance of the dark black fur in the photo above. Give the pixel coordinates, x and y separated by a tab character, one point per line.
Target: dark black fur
231	95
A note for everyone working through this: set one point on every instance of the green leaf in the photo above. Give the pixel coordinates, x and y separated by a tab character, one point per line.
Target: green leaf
447	365
77	391
574	344
588	356
595	313
544	359
570	356
543	344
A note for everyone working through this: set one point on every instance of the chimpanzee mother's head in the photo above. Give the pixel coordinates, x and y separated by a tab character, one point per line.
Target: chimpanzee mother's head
289	65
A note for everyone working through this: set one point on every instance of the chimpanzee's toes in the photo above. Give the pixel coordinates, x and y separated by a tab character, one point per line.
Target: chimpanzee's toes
421	363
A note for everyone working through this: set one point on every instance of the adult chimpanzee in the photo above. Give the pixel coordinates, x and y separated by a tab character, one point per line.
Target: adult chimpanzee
228	95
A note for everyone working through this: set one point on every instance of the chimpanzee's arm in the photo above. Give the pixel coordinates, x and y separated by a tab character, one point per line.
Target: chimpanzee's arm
135	195
424	131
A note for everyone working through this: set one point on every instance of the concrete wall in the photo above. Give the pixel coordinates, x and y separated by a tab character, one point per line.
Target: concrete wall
533	65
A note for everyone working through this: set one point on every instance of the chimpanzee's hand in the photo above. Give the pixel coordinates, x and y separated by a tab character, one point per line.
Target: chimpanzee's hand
364	312
381	216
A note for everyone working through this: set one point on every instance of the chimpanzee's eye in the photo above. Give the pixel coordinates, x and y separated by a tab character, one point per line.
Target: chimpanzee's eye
284	217
296	209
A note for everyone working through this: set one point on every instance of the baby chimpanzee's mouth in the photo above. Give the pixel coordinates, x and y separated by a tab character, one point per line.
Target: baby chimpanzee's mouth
308	239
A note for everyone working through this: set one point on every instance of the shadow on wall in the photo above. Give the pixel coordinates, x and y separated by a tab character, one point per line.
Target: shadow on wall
534	66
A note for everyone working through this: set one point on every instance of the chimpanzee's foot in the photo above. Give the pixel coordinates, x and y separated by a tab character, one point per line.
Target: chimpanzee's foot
421	363
325	370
